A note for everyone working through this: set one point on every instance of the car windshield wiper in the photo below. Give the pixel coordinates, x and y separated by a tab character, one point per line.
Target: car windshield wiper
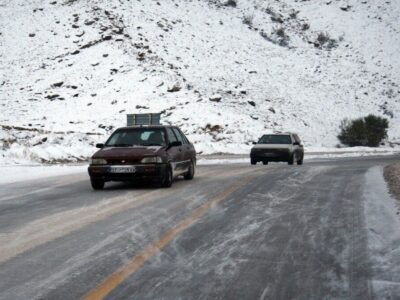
151	144
119	145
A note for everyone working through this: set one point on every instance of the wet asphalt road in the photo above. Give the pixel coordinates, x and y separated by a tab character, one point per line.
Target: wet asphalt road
234	232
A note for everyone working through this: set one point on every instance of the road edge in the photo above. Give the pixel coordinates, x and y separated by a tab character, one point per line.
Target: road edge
391	174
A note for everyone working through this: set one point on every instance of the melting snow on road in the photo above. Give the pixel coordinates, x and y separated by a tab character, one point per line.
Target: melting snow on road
383	225
13	173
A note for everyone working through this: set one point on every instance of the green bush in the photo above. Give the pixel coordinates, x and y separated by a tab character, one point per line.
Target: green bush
368	131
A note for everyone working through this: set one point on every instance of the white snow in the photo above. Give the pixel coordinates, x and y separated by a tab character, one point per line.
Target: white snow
205	49
383	225
10	173
222	161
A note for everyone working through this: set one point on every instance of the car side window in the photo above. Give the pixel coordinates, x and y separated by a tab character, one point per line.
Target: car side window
171	136
296	138
179	136
184	137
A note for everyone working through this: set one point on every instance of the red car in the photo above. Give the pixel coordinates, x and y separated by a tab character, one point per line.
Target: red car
156	152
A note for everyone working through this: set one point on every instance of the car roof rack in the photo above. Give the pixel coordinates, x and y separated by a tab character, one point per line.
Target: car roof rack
143	119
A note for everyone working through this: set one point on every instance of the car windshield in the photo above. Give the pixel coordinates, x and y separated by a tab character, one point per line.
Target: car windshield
275	139
137	137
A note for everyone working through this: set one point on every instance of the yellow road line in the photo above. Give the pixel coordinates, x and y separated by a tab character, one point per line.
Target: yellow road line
113	281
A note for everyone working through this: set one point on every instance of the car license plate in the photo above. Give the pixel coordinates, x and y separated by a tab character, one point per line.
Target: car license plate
122	169
269	154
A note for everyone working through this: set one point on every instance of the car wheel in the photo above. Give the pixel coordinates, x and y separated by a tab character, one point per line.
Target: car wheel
167	179
265	163
190	174
291	160
97	184
253	161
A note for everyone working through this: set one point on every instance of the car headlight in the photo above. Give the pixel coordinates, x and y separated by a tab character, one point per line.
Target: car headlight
151	160
97	161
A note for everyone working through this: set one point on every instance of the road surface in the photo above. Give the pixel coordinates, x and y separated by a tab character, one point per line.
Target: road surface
234	232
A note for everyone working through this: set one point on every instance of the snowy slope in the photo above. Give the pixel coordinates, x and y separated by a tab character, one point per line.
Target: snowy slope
70	70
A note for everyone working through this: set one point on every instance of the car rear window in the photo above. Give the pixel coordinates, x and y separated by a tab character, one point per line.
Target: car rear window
275	139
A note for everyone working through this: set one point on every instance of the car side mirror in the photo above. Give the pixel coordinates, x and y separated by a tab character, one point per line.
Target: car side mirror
254	143
100	145
175	144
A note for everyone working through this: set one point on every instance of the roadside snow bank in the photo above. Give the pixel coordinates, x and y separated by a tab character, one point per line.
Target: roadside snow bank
310	154
361	150
29	145
222	161
15	173
383	225
348	152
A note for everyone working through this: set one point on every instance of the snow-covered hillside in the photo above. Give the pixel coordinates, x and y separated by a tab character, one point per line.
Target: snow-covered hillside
70	70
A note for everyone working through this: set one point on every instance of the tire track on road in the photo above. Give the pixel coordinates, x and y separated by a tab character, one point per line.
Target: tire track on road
48	228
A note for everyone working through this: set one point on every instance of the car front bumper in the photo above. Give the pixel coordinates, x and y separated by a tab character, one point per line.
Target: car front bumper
127	172
271	155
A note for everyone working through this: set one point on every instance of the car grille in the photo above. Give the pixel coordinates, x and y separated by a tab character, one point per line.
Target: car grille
273	152
120	161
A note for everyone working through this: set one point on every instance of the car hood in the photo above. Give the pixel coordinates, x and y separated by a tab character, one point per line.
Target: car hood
273	146
128	152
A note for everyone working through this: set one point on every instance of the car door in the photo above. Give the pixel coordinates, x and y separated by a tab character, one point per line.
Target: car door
174	153
190	151
299	150
187	149
184	163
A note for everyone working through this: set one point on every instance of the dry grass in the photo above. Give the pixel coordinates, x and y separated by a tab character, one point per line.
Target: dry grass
392	177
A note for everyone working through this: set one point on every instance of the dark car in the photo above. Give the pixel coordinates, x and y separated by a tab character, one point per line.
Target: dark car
159	153
284	147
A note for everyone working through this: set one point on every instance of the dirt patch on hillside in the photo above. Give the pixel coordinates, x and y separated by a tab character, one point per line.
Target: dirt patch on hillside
392	177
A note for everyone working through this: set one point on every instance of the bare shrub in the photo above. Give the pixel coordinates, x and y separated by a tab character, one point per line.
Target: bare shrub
269	10
231	3
323	38
325	41
265	35
282	37
293	14
305	26
280	32
248	20
278	37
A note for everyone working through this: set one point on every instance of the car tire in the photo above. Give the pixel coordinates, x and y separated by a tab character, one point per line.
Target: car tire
167	178
97	184
265	163
190	174
253	161
291	160
300	162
